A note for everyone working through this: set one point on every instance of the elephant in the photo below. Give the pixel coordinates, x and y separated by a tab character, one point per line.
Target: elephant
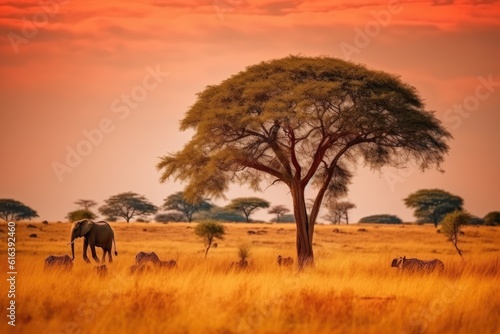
98	234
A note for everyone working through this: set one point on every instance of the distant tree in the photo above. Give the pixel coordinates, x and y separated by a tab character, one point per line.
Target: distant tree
431	205
305	122
169	217
221	214
381	219
208	230
451	226
127	205
14	210
338	211
492	218
177	202
80	214
279	211
86	204
247	205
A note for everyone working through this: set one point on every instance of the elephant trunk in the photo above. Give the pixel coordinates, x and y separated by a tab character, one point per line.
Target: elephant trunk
73	250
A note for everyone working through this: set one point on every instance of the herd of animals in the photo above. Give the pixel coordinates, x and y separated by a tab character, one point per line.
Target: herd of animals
100	234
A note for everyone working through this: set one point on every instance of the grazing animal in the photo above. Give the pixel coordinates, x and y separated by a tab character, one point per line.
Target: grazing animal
142	258
102	270
146	261
95	234
285	261
63	261
167	264
416	265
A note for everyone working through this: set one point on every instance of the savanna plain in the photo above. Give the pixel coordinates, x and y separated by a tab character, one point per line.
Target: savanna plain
351	289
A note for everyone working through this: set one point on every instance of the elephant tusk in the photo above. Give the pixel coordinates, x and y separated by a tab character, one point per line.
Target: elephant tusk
70	243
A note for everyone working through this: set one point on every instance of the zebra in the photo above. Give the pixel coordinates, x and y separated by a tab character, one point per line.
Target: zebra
414	265
285	261
63	261
143	259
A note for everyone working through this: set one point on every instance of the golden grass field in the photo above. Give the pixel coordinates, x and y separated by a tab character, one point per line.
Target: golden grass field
351	289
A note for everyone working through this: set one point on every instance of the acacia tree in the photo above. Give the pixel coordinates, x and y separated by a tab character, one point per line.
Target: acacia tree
86	204
127	205
432	205
11	209
451	227
279	211
209	230
300	121
247	205
177	202
338	211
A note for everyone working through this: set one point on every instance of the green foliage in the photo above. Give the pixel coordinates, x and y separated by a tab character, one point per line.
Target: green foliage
279	211
127	205
452	224
208	230
302	121
431	205
247	205
221	214
80	214
177	202
14	210
381	219
492	218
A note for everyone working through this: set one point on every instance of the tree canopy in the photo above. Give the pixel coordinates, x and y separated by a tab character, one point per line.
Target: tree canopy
451	227
247	205
177	202
492	218
80	214
338	210
209	230
11	209
431	205
300	121
127	205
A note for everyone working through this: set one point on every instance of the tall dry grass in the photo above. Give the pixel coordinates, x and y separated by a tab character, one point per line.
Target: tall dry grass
352	288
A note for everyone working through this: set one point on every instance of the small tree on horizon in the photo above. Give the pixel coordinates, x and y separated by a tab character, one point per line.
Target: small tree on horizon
338	211
177	202
127	205
247	205
11	209
80	214
451	226
86	204
279	211
208	230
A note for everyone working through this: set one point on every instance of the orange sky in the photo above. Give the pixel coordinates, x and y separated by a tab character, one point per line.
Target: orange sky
71	67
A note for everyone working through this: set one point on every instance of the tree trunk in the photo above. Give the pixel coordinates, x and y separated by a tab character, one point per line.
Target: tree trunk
305	255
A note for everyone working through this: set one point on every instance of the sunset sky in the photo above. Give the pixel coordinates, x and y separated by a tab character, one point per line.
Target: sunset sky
123	73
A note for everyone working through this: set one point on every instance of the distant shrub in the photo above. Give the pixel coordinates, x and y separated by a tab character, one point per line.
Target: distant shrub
170	217
476	221
285	219
381	219
492	218
141	220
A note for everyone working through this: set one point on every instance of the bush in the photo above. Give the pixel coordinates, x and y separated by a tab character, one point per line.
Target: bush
170	217
80	214
381	219
451	226
492	218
